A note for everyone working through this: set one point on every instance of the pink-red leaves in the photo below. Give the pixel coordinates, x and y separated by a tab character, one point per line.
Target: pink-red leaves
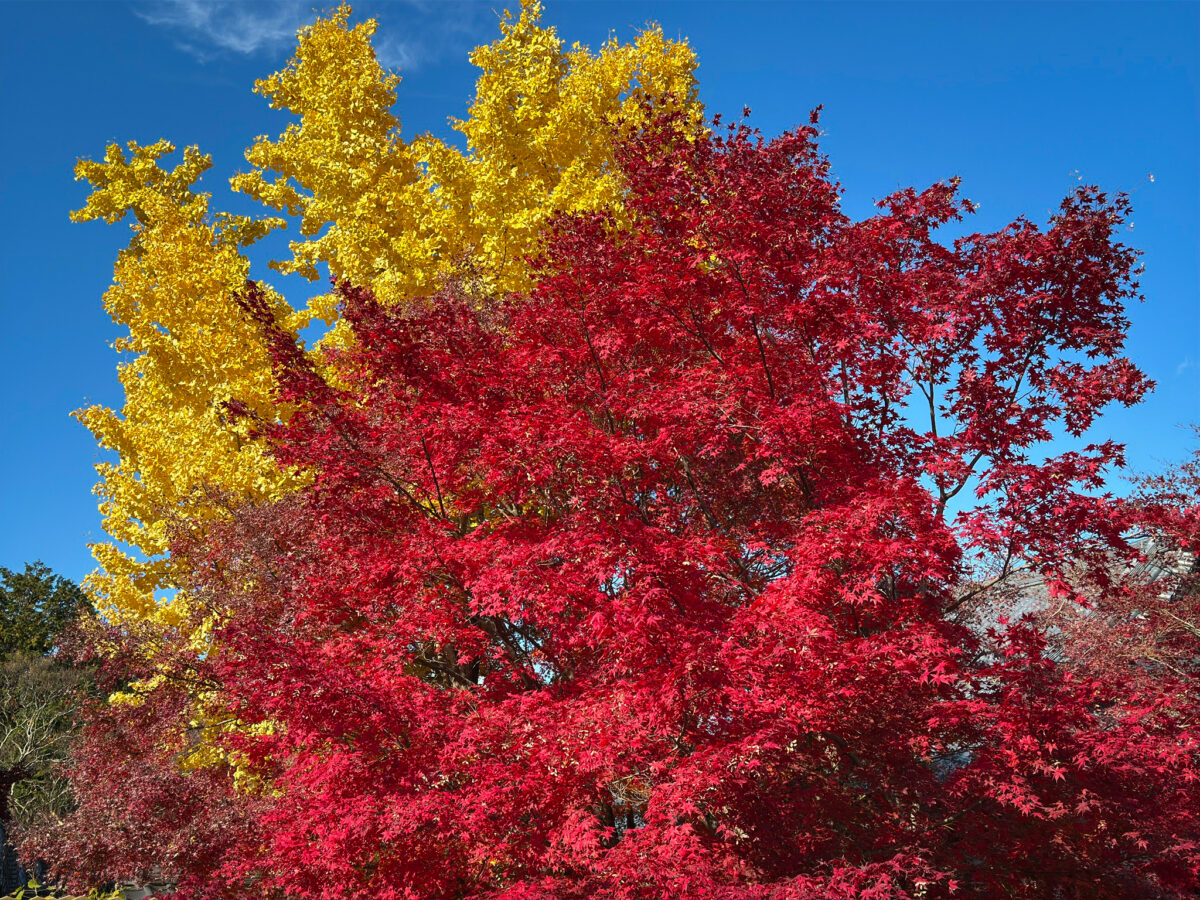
642	585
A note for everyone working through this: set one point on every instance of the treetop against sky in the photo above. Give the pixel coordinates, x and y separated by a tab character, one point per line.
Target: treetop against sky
638	511
1020	102
637	585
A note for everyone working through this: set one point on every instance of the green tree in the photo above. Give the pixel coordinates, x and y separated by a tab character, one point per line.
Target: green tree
35	606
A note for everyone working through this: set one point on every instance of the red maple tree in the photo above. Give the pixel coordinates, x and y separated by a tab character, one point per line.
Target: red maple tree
649	584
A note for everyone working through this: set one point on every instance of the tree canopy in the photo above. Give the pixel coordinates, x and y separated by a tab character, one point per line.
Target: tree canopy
641	579
397	215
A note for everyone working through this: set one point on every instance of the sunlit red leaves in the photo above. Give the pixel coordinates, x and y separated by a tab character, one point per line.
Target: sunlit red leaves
642	585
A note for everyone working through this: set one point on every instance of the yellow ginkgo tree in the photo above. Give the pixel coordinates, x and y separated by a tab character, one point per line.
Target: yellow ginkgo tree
400	216
188	351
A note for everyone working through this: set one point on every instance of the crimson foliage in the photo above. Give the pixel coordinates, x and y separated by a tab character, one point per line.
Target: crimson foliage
648	584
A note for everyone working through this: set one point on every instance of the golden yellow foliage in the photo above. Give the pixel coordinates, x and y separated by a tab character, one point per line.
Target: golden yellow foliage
400	216
374	209
191	351
343	164
540	136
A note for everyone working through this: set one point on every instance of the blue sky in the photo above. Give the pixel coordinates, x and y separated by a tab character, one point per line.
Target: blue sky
1021	100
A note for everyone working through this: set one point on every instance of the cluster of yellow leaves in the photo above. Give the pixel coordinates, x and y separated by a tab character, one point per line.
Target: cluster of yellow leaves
401	216
372	208
541	136
190	351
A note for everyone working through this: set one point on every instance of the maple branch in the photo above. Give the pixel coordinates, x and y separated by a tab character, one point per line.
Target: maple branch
433	472
944	496
762	355
708	513
587	336
698	334
1188	626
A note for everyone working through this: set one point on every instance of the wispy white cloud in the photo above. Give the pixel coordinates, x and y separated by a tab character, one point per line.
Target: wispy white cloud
1183	366
413	33
209	28
394	53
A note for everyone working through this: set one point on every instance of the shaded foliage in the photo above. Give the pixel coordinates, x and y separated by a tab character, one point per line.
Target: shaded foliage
38	701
